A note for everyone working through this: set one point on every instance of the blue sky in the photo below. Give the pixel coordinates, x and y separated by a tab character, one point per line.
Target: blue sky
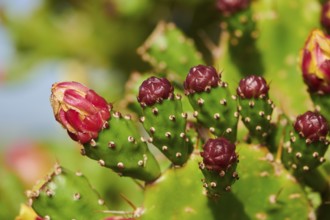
25	111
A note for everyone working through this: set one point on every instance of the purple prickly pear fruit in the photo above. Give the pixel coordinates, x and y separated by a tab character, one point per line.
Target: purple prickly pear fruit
232	6
312	126
315	62
154	90
256	108
252	87
201	78
219	154
80	110
325	15
306	145
166	129
218	166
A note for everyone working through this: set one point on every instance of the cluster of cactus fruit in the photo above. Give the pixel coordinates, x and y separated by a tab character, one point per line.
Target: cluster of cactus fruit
195	124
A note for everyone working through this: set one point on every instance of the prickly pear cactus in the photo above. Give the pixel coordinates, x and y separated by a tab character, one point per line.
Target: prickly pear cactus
243	137
214	106
255	106
164	119
64	194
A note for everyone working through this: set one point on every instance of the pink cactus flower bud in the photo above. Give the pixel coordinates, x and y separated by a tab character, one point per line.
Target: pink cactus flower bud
312	126
219	154
252	87
200	78
315	62
232	6
154	90
80	110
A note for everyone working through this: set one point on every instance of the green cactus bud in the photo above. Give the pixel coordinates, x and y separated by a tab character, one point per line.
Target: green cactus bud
164	119
219	166
215	108
306	144
255	106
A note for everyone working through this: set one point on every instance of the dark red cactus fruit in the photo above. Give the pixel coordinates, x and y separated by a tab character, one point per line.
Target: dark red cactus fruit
312	126
325	15
231	6
201	78
252	87
219	154
154	90
80	110
315	62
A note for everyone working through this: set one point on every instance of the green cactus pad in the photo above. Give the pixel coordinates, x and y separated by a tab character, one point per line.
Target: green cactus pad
121	148
256	115
274	21
278	131
242	45
166	124
66	195
241	21
218	183
217	111
301	156
264	191
169	51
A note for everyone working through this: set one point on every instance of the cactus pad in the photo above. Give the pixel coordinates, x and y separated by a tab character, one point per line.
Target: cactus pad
66	195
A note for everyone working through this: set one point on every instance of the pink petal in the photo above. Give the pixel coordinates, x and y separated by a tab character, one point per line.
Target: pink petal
74	99
83	138
93	123
60	117
72	85
325	68
74	120
105	114
96	100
